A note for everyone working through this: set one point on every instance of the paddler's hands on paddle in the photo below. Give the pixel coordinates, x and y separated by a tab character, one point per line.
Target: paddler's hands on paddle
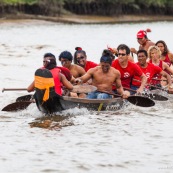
78	81
170	89
125	94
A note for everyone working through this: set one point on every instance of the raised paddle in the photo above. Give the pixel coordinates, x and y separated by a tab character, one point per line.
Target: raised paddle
150	95
16	106
136	100
14	89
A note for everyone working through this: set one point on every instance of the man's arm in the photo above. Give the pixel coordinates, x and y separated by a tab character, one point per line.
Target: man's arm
167	76
120	90
31	87
65	82
166	67
85	77
143	83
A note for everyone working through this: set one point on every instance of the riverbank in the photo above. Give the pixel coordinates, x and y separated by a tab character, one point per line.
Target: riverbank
87	19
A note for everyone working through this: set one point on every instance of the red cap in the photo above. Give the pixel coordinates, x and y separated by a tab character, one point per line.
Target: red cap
141	34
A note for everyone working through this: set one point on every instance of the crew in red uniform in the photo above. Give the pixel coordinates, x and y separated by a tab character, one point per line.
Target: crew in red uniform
149	69
128	69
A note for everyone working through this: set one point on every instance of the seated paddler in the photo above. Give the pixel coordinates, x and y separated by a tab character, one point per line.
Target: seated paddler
57	76
103	77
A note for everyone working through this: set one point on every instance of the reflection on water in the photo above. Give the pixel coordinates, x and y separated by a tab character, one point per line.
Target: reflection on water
133	139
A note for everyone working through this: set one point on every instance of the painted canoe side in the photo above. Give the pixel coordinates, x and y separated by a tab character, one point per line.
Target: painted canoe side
57	104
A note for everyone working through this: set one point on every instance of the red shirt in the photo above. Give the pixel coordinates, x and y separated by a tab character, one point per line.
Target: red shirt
150	71
66	72
127	73
90	64
161	66
167	60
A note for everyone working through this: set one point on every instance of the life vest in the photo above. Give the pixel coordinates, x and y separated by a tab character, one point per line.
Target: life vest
46	79
58	85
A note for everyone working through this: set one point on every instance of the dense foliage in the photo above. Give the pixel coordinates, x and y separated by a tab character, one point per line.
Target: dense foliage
98	7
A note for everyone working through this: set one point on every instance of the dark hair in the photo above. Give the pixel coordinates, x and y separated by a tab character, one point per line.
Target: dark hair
107	52
124	47
49	55
165	47
66	55
142	51
75	55
52	61
106	59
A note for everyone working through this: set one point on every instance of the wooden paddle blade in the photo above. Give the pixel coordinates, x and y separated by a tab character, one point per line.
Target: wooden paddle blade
141	101
157	97
84	88
16	106
24	98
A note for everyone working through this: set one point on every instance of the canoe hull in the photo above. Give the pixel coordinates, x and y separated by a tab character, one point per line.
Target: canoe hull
57	104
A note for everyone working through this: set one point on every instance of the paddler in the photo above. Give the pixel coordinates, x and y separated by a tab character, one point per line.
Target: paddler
103	77
149	69
49	62
143	41
128	69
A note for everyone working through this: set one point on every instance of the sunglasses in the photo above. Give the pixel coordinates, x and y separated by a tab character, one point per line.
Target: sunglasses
79	58
121	54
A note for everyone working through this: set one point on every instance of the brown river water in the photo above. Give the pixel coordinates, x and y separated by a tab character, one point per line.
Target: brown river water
133	139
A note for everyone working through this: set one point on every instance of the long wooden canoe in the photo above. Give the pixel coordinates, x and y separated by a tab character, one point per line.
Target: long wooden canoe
57	104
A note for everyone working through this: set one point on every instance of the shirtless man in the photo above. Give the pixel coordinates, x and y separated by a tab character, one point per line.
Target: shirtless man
128	69
143	40
66	60
103	77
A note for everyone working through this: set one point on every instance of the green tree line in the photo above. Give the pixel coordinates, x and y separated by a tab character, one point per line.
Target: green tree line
90	7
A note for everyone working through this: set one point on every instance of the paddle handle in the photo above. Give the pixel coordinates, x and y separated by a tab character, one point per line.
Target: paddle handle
14	89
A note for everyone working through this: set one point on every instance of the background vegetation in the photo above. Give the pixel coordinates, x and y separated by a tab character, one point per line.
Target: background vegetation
89	7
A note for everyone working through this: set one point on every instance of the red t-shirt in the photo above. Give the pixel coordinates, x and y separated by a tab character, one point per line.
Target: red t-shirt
150	71
90	64
66	72
167	60
127	73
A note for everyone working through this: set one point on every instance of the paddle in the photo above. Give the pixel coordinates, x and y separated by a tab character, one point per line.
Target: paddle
24	98
150	95
84	88
16	106
76	89
14	89
156	87
136	100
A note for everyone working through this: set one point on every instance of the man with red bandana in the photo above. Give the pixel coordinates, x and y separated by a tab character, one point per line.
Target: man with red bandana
128	69
143	40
